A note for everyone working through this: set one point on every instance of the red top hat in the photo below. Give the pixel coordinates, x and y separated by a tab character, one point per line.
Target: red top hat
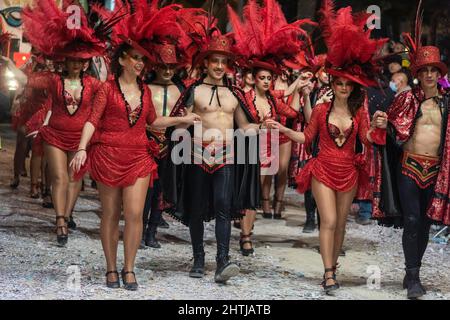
258	64
428	56
218	44
167	53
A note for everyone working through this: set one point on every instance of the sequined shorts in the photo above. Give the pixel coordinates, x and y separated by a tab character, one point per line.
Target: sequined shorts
422	169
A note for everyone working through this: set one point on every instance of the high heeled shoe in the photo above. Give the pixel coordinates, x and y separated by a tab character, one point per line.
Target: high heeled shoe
277	209
332	287
132	286
266	215
14	182
112	284
244	251
47	201
63	237
34	190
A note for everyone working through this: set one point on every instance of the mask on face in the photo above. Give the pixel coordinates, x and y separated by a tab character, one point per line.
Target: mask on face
393	86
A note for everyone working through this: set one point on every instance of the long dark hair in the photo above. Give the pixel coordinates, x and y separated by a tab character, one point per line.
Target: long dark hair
356	98
116	68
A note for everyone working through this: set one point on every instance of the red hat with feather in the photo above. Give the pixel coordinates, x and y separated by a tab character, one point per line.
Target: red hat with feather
350	50
264	39
422	56
61	39
205	37
151	30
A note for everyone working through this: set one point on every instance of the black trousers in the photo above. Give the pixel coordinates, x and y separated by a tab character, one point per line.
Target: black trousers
152	213
213	192
414	202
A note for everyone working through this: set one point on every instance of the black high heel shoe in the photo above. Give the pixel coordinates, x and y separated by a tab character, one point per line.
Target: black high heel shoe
132	286
15	182
47	201
246	252
112	284
267	215
63	237
277	209
331	287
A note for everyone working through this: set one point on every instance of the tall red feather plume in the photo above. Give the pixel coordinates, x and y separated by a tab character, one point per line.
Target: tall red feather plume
147	25
350	48
413	44
265	35
45	18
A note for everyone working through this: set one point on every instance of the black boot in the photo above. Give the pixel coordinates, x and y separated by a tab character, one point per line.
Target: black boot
310	224
150	236
414	286
225	269
406	281
198	268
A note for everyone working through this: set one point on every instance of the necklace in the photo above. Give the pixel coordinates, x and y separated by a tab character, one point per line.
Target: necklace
73	83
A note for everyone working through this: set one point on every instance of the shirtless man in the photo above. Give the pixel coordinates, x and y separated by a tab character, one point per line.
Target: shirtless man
418	122
208	183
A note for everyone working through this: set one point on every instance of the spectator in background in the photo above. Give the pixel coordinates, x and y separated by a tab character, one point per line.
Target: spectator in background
399	82
394	63
398	47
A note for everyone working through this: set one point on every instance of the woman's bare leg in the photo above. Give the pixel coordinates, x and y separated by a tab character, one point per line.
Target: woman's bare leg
35	173
19	156
282	175
57	162
73	189
133	206
343	203
246	226
326	203
266	183
111	199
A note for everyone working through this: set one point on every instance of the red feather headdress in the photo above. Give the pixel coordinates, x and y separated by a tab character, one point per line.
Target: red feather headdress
151	30
48	29
205	38
265	39
350	49
421	56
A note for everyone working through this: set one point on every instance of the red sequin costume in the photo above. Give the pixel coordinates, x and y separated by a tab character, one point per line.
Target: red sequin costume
64	129
120	152
31	101
278	109
335	166
402	117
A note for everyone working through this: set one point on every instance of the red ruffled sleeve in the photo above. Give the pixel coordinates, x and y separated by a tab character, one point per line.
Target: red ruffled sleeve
277	94
378	135
37	120
42	80
363	124
312	128
99	104
151	117
285	110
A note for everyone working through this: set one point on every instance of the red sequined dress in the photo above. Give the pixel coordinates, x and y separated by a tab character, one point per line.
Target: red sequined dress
64	128
120	151
31	101
336	165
